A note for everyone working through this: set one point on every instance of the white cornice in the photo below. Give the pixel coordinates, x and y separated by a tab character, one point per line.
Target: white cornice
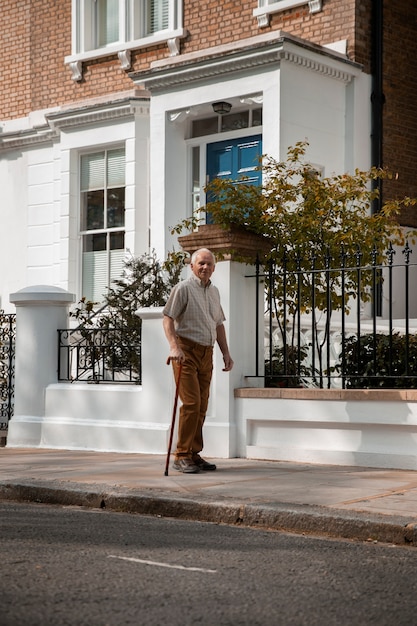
98	113
269	52
57	121
318	65
23	138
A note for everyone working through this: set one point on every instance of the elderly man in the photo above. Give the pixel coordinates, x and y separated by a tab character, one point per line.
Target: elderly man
193	322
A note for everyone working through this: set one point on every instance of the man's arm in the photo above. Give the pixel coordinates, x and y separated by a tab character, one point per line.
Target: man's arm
175	351
222	341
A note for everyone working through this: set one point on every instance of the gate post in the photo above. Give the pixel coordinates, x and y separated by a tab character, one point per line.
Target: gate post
224	434
40	311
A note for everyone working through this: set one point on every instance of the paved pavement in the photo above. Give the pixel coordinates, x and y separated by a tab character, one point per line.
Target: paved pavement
356	503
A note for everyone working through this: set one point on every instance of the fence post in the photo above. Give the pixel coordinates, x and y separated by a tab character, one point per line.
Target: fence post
158	386
40	311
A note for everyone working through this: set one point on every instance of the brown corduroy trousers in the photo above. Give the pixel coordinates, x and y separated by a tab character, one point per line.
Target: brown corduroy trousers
194	390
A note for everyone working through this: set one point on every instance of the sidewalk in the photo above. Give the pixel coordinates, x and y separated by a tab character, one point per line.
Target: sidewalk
357	503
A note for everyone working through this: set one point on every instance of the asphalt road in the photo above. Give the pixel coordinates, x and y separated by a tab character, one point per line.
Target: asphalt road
80	567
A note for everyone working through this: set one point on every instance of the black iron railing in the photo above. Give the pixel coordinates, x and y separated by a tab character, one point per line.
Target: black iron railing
7	366
98	355
339	323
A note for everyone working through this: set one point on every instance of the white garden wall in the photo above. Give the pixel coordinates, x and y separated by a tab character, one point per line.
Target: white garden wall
369	428
342	427
115	417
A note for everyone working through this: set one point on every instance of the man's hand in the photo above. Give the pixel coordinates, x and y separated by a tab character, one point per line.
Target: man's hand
222	341
176	354
228	362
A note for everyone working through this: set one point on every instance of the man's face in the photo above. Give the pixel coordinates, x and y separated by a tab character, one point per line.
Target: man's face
203	267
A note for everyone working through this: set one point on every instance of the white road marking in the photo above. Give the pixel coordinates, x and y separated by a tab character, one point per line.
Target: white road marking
188	569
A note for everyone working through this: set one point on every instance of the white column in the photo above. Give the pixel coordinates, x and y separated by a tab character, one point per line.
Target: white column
40	311
223	435
158	385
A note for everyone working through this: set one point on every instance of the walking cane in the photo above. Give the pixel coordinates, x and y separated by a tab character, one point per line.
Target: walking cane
174	412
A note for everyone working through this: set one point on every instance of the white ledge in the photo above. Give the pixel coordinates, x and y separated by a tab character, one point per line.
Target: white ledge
150	313
341	395
263	13
215	63
123	50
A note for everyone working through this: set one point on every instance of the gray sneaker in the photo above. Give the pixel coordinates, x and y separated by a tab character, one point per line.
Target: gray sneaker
185	465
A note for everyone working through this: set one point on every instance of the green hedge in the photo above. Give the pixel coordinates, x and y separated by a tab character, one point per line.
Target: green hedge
380	362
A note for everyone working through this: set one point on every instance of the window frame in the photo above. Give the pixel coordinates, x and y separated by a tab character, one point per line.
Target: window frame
266	8
121	35
133	15
105	230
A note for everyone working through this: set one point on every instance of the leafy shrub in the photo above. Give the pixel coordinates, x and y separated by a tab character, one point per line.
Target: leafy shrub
286	368
380	362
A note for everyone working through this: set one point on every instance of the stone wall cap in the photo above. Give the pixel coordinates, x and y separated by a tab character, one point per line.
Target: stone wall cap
151	312
41	294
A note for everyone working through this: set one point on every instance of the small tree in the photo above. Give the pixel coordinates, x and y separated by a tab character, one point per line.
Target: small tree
310	221
144	282
307	216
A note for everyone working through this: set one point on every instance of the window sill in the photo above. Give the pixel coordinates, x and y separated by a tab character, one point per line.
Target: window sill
123	50
263	13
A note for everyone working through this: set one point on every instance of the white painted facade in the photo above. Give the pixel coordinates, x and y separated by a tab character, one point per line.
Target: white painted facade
39	172
306	93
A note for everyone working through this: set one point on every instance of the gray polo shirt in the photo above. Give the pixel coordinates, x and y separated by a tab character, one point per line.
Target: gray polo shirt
196	310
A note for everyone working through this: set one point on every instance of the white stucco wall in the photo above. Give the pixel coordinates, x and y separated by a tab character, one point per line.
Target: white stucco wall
368	428
43	228
13	226
39	219
318	108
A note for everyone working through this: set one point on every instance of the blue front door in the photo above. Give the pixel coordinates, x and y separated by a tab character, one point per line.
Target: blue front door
233	159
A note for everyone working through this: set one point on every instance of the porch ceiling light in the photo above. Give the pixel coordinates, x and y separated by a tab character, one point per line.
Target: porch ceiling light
221	108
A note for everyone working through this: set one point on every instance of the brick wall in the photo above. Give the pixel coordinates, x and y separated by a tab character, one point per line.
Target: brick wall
14	66
217	22
35	37
400	108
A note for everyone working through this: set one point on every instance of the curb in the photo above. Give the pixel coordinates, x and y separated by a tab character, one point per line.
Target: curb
311	520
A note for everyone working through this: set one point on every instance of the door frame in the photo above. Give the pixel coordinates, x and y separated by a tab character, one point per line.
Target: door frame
202	143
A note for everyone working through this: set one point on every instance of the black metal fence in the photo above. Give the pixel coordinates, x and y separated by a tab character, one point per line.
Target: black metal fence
7	367
99	355
340	323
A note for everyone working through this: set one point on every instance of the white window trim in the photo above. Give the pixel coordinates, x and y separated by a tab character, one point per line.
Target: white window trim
264	11
81	233
82	25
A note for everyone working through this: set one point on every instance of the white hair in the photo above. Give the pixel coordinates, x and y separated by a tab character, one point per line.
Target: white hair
197	252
